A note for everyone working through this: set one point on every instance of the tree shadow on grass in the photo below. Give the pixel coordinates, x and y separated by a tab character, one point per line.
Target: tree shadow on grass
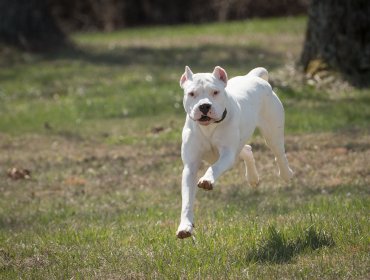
277	248
201	57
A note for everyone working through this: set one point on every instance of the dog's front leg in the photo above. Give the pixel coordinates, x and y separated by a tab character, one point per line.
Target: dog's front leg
188	191
225	162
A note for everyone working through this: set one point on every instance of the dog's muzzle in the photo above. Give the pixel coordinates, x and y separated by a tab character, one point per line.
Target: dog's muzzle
204	108
205	118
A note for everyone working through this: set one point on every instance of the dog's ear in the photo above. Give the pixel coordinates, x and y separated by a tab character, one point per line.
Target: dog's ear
220	74
188	75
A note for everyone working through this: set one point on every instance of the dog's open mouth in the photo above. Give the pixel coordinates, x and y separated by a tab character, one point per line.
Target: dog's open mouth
204	118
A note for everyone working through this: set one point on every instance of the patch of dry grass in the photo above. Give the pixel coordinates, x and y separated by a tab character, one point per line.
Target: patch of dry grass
319	160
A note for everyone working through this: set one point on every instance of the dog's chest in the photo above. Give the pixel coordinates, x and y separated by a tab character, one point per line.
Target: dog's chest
209	144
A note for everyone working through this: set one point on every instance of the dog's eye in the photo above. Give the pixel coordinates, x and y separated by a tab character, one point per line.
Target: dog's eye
191	94
216	92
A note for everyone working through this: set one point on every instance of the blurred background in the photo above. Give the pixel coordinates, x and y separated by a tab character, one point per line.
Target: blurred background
337	33
109	15
113	14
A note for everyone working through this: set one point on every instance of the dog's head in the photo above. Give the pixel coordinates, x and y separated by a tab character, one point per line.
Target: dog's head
204	95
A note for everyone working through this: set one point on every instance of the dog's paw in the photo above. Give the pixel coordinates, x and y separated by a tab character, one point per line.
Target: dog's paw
205	184
287	174
252	179
185	230
253	182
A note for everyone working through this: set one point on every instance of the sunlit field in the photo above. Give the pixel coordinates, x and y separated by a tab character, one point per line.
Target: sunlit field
99	129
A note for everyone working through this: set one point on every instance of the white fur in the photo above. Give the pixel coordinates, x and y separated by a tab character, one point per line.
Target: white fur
249	102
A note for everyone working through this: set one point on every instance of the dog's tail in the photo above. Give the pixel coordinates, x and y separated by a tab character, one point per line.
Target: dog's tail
259	72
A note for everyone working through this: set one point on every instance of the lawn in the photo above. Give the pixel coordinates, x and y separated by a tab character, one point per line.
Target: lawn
99	127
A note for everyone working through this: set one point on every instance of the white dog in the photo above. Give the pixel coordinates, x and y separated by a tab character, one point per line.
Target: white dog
221	116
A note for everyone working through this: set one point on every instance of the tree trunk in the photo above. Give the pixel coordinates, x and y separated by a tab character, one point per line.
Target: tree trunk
338	35
28	24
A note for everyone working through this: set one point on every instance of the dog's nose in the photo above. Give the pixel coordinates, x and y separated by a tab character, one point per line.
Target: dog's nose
204	108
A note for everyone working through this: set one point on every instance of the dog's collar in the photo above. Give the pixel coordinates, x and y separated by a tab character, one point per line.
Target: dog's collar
223	116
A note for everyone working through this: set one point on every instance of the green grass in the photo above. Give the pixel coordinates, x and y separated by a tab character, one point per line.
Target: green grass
99	127
139	75
293	25
111	237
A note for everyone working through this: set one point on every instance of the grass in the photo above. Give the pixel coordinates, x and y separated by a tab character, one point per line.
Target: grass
99	128
104	81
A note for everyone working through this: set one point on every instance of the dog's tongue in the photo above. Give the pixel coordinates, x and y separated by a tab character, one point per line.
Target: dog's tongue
204	118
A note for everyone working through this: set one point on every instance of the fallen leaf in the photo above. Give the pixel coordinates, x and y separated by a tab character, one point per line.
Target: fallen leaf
157	129
19	173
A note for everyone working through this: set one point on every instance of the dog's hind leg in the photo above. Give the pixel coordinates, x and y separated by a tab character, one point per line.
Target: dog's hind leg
272	129
250	167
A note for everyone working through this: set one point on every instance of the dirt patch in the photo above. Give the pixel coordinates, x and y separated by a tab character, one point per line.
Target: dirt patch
62	166
331	159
